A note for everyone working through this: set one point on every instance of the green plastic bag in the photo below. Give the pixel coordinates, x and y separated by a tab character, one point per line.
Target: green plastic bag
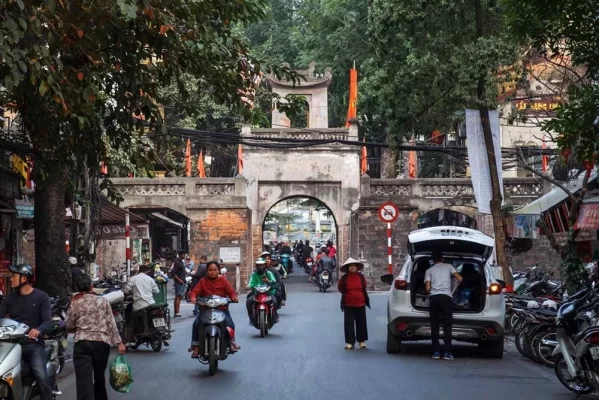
121	378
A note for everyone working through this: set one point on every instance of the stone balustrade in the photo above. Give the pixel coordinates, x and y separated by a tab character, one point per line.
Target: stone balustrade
517	191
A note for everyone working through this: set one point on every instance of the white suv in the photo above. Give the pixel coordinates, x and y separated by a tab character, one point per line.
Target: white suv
479	306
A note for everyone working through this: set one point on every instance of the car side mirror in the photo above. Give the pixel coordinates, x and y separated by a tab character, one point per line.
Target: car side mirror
502	283
387	278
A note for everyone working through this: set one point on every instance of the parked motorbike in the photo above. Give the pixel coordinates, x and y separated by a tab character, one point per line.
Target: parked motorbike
577	356
215	336
116	298
153	327
263	312
16	380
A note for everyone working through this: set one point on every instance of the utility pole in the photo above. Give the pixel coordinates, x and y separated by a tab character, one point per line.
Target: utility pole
496	198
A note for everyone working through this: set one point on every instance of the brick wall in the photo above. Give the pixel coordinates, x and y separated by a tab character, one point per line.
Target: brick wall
369	242
212	229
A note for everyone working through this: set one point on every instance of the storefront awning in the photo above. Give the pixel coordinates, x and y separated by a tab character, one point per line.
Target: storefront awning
553	198
168	220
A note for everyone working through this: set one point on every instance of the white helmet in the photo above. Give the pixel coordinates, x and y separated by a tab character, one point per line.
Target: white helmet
533	305
550	305
72	261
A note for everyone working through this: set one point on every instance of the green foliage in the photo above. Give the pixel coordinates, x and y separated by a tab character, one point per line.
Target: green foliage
428	60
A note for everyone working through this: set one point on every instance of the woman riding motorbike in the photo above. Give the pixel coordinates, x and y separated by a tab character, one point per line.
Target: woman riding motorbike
214	284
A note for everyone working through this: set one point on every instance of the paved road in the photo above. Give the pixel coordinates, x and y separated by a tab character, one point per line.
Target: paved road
303	359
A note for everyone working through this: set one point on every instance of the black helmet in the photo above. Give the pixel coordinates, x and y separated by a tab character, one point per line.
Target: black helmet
24	270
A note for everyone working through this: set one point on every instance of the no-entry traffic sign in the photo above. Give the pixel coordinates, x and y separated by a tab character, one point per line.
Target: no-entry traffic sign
388	212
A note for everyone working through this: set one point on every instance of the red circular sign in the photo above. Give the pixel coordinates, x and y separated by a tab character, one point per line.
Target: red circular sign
388	212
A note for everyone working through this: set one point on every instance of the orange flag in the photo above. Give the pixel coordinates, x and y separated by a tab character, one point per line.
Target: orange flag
352	111
201	168
412	162
188	158
103	168
239	160
545	159
363	159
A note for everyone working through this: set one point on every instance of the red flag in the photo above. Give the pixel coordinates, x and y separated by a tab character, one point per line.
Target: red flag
188	158
239	160
363	159
352	111
412	162
201	168
545	158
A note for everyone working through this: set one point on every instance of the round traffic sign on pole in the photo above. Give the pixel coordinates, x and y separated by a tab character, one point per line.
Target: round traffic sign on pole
388	212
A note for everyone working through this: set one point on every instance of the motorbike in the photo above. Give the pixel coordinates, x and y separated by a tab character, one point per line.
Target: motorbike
153	327
308	265
214	335
577	356
16	380
116	298
324	280
286	262
263	312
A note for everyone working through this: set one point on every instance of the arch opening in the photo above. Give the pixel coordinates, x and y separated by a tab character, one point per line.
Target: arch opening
299	218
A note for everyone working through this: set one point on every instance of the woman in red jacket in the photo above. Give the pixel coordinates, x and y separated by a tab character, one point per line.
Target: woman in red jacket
213	284
354	299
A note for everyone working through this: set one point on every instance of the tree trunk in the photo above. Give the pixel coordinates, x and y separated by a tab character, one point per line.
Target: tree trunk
52	272
388	163
496	198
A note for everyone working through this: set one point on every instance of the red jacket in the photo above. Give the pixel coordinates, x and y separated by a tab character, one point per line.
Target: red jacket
352	286
213	287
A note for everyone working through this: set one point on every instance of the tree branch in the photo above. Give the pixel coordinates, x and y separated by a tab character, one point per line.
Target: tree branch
523	164
550	236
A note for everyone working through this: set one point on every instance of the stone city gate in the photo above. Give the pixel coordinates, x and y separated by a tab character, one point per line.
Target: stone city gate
229	212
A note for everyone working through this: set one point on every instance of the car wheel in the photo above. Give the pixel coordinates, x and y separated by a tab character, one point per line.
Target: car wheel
393	343
493	349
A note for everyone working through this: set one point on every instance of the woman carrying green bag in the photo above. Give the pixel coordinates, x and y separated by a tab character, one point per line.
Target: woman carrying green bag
90	318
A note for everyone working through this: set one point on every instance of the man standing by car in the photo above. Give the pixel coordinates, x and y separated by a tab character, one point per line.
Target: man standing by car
179	274
438	286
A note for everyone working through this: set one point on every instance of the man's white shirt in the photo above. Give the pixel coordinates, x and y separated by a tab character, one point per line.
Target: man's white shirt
144	288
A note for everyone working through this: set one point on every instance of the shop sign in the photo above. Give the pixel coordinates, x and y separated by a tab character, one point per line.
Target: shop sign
25	208
115	232
588	218
143	231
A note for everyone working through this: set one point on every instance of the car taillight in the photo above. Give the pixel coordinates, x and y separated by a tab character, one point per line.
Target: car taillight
491	331
593	338
401	326
401	284
495	288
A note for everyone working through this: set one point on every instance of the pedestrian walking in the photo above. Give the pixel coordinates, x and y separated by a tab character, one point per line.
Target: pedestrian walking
179	274
354	300
90	318
438	285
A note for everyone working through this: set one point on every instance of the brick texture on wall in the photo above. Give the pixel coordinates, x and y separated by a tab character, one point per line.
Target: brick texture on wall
212	229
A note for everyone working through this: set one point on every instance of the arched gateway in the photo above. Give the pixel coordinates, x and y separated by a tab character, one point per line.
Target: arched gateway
227	214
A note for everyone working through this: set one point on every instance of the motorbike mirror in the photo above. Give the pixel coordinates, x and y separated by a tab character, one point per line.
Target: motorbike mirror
387	278
502	283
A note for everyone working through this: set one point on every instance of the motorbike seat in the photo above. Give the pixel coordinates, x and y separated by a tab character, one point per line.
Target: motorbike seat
155	306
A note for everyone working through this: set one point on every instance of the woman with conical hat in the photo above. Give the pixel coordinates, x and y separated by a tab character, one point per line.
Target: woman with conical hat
354	300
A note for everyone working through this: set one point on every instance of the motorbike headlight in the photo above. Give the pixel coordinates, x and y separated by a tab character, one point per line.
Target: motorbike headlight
6	331
212	303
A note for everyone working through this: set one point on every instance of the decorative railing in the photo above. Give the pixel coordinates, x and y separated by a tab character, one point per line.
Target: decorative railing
514	188
300	134
129	187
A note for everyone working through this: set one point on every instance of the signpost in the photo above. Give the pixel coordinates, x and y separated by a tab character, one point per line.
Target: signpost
388	212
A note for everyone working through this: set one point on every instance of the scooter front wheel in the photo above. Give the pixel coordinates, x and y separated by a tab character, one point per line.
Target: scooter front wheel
262	323
573	385
212	358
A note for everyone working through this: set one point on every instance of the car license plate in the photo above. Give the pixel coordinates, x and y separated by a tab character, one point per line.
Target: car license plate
594	352
118	318
309	264
159	322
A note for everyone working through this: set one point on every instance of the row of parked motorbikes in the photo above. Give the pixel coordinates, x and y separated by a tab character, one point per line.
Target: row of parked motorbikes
558	330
